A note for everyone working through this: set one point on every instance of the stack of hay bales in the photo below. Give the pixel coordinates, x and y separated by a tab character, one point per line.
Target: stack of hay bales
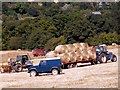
72	52
5	68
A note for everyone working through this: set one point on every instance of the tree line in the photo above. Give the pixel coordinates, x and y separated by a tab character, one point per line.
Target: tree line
29	25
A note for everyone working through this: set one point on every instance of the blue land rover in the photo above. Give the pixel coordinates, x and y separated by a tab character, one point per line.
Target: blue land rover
46	65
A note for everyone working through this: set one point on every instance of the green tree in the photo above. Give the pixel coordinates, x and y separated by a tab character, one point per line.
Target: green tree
15	43
53	42
104	38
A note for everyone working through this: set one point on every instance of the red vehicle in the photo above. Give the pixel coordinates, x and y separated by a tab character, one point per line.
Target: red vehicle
37	52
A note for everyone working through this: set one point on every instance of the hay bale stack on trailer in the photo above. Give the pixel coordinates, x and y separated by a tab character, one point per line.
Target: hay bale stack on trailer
73	53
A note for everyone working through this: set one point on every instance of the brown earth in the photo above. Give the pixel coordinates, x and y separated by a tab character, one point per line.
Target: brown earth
84	76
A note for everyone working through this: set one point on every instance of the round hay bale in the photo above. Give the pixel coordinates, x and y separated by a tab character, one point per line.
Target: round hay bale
51	54
114	44
78	55
64	57
72	56
92	52
84	46
79	49
77	46
85	55
70	47
61	49
5	68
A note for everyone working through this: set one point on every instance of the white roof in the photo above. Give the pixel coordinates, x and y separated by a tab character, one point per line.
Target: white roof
103	45
50	58
96	12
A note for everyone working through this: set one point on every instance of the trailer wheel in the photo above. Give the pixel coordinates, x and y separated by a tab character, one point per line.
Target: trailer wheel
74	65
103	58
114	59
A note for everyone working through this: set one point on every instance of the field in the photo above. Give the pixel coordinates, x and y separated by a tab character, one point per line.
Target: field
83	76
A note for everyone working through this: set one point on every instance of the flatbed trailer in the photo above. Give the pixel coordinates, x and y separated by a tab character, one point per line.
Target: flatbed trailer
74	64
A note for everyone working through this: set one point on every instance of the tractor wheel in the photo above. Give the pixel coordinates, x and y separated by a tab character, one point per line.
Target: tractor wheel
103	58
114	59
19	68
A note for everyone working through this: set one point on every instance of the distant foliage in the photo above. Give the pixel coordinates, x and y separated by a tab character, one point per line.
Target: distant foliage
53	42
46	24
106	38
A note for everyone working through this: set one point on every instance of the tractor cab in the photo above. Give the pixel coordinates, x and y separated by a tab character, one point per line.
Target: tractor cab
23	60
101	49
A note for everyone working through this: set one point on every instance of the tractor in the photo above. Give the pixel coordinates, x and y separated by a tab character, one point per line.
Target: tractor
22	62
103	55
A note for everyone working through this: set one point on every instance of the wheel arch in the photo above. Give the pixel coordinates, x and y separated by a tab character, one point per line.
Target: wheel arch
32	70
54	68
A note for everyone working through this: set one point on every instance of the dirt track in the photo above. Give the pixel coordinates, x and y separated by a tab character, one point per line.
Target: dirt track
83	76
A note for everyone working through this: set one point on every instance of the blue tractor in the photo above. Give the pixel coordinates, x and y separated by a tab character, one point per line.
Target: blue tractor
103	55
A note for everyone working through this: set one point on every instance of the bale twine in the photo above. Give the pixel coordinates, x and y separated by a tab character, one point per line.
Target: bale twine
61	49
51	54
71	47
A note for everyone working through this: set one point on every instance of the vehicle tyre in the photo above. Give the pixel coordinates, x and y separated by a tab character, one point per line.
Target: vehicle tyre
74	65
55	71
65	66
33	73
92	62
19	68
96	62
103	58
114	59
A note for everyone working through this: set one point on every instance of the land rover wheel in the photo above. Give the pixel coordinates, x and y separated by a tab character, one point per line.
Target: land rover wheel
54	71
103	58
114	59
33	73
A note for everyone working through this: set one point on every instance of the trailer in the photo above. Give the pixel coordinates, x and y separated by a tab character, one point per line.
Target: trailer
74	64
